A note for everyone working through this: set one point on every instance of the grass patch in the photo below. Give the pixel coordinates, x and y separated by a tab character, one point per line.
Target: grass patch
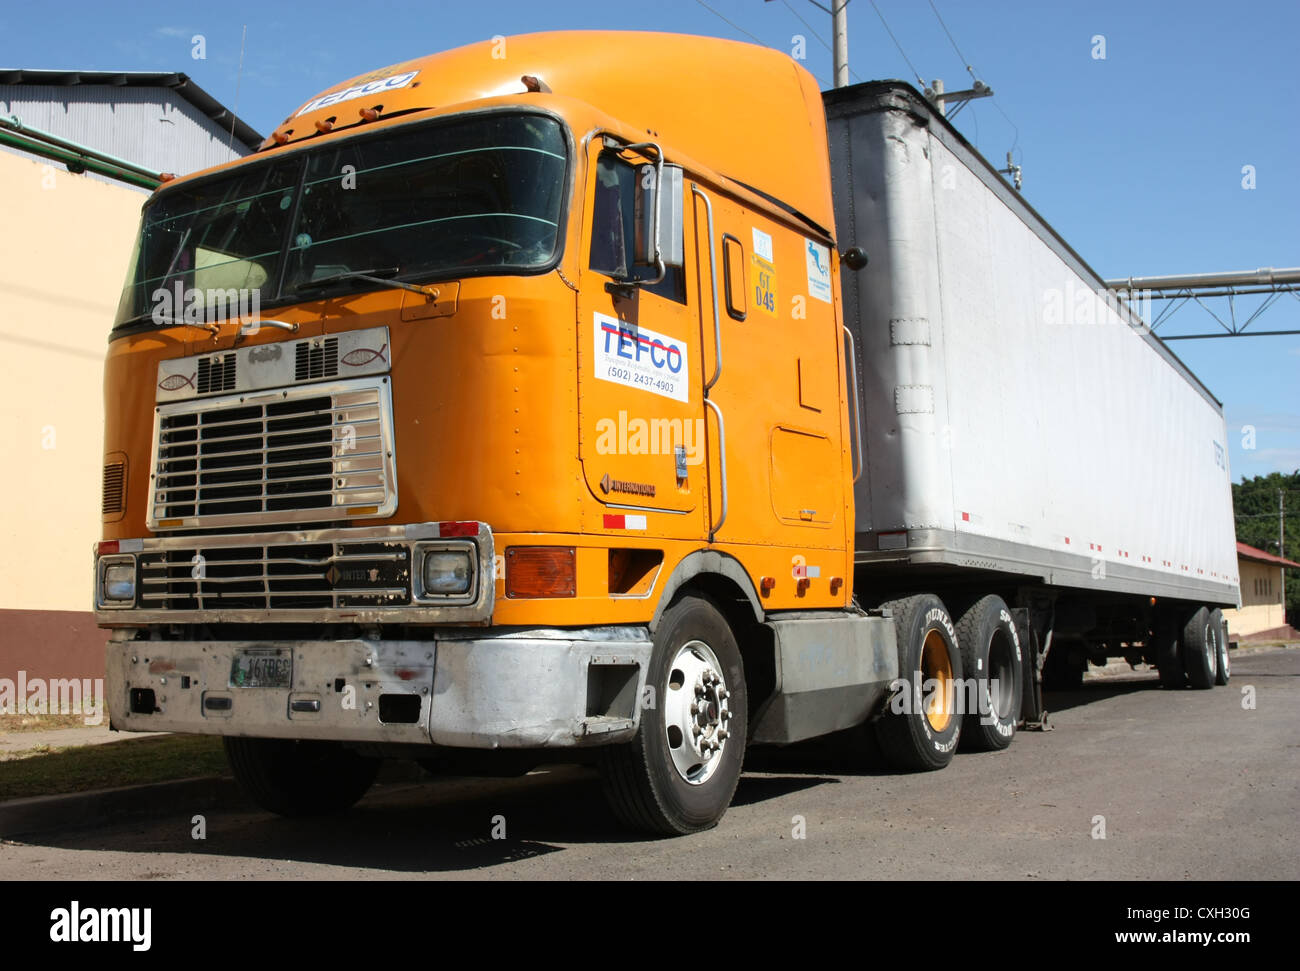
10	724
161	758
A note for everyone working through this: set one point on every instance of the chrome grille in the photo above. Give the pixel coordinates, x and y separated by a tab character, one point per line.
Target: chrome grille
310	453
281	577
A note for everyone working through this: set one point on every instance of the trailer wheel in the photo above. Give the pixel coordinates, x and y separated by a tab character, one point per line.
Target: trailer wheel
1200	656
1222	668
679	772
1168	652
299	778
920	728
990	655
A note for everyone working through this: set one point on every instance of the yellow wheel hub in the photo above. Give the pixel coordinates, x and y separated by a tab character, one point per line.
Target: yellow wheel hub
936	673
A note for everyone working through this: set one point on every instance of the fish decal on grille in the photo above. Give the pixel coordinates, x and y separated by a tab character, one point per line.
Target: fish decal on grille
174	382
361	356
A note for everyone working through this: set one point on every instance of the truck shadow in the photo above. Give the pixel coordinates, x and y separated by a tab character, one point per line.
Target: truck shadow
1093	692
440	825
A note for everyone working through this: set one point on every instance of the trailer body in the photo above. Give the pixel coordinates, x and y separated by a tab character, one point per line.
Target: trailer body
1018	418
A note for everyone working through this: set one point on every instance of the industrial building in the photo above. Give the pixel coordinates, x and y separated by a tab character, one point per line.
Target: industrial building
79	154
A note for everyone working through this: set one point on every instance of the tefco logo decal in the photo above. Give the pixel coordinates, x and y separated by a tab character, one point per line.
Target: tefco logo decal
640	358
359	91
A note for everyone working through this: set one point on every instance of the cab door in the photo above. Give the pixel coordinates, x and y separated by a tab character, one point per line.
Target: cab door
640	402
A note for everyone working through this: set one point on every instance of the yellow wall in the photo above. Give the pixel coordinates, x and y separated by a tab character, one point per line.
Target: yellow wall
64	245
1260	609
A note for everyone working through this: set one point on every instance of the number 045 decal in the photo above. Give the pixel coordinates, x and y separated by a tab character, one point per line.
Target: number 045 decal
640	358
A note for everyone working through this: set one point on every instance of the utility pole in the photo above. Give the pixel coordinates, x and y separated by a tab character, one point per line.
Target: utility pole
1281	523
940	98
839	39
840	29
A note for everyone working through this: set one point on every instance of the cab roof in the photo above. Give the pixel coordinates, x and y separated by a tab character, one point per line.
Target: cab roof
750	113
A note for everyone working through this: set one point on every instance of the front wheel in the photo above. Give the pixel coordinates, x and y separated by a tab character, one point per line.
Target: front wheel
679	772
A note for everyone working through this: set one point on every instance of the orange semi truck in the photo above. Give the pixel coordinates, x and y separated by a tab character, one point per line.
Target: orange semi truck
510	406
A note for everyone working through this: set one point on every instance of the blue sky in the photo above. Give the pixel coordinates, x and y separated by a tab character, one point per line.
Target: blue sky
1135	159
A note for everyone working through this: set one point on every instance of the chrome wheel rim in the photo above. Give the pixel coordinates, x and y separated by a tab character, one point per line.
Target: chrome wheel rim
696	712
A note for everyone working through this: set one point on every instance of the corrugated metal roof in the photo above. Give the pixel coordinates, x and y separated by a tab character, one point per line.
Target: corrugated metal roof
177	81
162	121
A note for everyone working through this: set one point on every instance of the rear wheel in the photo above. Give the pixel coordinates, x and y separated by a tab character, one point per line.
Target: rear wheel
921	726
1200	656
1168	651
299	778
990	654
679	772
1222	668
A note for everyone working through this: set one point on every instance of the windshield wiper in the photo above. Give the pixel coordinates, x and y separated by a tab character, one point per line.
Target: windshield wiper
370	276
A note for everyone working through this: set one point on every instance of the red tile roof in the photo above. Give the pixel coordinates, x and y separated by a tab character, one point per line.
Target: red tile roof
1260	556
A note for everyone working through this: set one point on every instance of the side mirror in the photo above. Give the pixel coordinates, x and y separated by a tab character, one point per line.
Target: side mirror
657	242
855	257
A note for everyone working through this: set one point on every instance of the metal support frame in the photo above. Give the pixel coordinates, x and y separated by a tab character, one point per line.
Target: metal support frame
1179	290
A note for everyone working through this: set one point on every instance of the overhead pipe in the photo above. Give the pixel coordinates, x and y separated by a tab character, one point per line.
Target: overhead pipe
1265	276
19	135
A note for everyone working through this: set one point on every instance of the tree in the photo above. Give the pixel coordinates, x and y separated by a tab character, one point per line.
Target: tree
1255	507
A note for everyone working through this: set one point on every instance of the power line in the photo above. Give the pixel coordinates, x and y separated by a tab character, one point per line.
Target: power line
915	73
733	26
813	30
969	68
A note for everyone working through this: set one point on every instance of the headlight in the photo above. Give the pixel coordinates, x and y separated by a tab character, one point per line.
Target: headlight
447	573
117	580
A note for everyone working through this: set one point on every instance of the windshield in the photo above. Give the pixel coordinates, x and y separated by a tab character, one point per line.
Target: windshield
449	198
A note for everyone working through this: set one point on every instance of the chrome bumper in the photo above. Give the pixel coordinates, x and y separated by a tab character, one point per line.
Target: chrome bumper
530	688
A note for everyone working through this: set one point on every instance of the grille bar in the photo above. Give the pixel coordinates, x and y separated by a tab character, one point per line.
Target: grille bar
306	453
351	574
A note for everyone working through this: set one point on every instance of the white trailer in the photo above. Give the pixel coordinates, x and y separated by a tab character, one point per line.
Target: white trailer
1023	432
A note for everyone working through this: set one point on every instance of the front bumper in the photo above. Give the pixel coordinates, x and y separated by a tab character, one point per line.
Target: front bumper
532	688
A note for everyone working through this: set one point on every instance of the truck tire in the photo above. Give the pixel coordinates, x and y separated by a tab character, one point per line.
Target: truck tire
299	778
679	772
1222	668
1199	654
1168	652
991	656
920	728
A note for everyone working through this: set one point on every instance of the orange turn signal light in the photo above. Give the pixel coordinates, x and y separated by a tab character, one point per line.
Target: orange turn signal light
541	571
369	114
325	125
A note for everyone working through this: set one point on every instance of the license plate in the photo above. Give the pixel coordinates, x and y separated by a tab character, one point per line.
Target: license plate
262	667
